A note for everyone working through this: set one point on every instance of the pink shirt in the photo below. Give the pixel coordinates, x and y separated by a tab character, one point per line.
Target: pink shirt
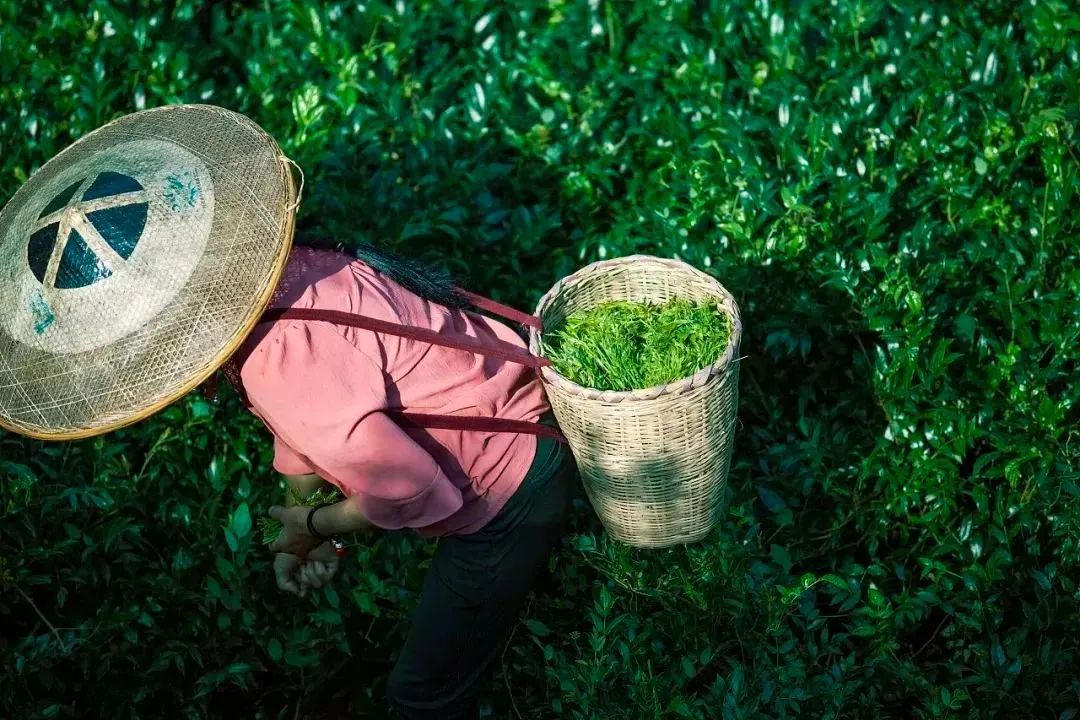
322	388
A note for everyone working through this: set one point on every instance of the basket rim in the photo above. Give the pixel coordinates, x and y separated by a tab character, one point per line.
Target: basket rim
722	365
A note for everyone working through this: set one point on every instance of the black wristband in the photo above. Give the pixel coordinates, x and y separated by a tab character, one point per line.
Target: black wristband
311	523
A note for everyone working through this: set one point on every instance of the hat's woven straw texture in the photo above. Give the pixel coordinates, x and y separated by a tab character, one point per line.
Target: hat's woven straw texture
133	263
654	462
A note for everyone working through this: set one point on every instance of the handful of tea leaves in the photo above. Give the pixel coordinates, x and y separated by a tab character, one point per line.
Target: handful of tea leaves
628	345
270	527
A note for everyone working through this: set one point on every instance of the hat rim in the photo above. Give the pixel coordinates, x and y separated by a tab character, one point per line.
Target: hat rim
250	320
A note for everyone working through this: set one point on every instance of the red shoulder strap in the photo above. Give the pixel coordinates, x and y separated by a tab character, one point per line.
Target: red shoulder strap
508	352
504	311
481	424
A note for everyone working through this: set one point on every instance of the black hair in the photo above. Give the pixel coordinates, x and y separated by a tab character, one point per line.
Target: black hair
432	284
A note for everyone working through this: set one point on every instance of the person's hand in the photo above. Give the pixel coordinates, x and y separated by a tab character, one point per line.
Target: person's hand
319	567
286	568
297	575
293	538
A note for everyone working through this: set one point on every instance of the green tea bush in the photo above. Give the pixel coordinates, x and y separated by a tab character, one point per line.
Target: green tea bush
887	189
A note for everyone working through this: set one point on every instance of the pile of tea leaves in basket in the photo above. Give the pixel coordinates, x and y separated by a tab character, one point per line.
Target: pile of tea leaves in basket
624	345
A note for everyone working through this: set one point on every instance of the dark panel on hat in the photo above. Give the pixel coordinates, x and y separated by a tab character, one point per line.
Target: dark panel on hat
79	266
111	183
121	226
60	200
40	249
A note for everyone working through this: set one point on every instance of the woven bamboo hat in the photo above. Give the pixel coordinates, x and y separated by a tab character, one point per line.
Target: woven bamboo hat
134	263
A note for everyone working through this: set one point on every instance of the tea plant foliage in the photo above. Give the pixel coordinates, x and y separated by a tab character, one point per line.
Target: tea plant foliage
888	189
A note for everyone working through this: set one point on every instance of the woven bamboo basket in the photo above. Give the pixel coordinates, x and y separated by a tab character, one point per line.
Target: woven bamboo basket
654	462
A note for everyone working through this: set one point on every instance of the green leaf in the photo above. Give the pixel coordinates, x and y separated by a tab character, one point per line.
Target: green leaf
606	599
200	409
998	653
965	327
241	522
788	198
836	581
536	627
781	556
299	658
365	602
239	668
772	501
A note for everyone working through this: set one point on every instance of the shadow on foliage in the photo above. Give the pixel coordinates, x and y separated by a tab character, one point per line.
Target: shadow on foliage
807	411
808	417
481	209
808	414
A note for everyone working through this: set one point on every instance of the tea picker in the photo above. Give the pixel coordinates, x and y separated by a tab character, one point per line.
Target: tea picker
158	249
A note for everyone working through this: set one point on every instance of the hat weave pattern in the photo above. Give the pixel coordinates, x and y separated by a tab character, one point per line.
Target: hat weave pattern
133	263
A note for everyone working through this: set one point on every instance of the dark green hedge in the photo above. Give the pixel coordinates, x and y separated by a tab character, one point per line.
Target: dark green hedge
886	187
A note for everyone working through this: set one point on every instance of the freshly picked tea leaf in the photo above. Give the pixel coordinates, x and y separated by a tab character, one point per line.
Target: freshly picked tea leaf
628	345
269	528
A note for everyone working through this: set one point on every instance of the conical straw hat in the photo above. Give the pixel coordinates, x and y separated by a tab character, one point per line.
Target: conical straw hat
134	263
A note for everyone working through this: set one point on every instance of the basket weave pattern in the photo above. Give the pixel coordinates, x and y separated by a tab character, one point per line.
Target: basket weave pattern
654	462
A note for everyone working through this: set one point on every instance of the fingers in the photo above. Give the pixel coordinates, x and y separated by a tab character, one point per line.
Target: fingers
289	586
306	576
324	553
329	571
297	575
287	541
284	569
319	553
276	512
323	572
316	573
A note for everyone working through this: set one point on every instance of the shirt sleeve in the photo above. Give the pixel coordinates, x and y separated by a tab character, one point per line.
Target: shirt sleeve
324	400
289	462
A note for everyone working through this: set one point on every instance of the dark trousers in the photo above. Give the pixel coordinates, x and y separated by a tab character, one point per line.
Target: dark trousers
474	593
